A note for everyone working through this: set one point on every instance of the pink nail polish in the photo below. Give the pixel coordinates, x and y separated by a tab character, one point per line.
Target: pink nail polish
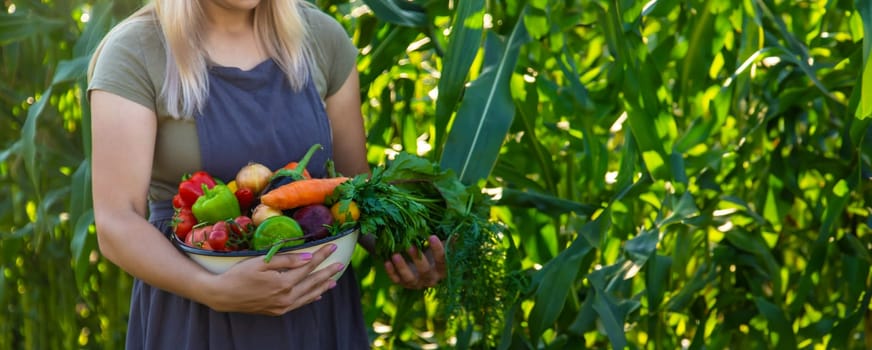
333	247
305	256
331	285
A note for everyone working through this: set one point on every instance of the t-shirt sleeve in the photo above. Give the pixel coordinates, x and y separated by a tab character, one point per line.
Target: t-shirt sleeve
120	68
335	53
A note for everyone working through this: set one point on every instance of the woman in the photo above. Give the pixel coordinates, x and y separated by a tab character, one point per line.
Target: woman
184	85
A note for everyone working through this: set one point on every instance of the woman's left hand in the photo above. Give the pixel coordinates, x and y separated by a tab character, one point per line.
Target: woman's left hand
425	270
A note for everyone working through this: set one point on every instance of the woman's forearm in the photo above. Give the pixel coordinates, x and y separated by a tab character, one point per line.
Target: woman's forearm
141	250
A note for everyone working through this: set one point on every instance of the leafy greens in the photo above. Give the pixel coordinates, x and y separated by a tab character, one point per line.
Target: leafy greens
411	198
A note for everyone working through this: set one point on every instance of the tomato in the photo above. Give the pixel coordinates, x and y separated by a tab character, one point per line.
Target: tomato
352	213
179	203
245	197
198	236
205	246
189	240
183	223
242	225
217	237
239	229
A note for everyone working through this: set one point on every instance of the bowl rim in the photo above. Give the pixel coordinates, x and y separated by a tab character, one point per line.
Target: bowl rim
246	253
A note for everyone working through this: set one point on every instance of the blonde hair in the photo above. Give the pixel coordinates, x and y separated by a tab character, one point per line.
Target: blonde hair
278	27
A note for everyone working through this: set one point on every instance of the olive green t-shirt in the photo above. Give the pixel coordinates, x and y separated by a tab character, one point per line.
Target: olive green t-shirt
132	64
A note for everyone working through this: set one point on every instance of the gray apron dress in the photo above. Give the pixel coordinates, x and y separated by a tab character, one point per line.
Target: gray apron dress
255	116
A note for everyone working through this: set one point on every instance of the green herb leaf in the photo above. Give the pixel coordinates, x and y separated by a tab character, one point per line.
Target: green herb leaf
411	198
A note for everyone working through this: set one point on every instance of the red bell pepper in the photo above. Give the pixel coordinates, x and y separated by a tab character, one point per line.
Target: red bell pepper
191	187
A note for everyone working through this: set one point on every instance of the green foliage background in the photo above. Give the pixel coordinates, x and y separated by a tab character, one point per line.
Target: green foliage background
674	174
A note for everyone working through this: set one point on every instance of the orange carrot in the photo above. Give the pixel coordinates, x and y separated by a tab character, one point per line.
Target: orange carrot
301	193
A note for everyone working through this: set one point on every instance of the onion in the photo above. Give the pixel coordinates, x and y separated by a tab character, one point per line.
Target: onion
262	212
253	176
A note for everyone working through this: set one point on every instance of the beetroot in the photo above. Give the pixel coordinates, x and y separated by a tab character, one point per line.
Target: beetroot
314	220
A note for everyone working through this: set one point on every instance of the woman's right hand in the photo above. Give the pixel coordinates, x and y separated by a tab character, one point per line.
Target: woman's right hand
274	288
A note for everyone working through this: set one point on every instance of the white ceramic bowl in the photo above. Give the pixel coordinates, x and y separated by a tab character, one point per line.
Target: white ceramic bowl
218	262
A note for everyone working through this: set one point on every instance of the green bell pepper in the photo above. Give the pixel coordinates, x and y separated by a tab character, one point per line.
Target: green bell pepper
277	232
216	204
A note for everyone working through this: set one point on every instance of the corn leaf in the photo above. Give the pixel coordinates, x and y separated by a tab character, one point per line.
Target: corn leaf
81	246
15	27
485	114
401	13
463	44
611	312
70	70
543	202
778	323
554	282
28	135
864	109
